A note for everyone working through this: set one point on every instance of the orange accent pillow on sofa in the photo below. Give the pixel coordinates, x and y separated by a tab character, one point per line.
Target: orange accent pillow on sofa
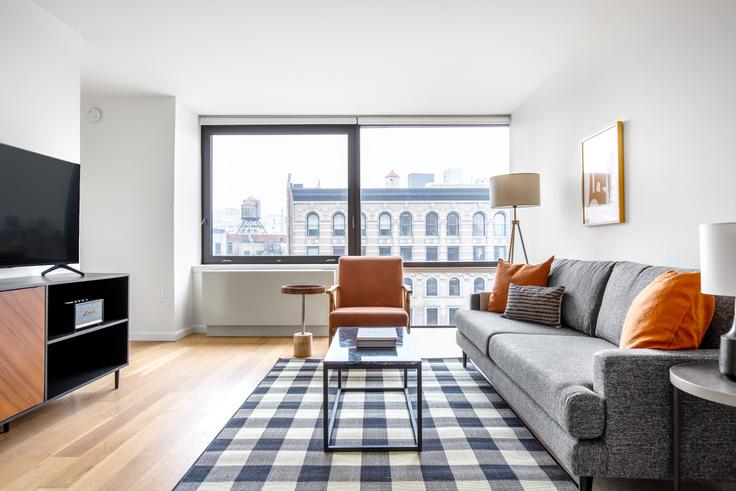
518	274
670	313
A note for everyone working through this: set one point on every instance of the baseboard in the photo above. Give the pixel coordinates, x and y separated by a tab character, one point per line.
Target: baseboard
160	336
263	331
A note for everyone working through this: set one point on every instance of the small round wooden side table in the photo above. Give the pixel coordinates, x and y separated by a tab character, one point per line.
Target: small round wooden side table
303	339
703	380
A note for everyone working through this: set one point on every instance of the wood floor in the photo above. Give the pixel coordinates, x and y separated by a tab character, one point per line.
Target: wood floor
173	400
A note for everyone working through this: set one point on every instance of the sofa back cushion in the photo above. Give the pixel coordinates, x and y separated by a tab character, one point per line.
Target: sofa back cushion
584	283
671	313
627	280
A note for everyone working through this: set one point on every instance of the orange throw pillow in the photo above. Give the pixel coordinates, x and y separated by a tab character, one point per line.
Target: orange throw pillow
518	274
670	313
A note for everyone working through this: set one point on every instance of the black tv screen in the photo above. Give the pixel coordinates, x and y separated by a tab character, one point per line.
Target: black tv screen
39	209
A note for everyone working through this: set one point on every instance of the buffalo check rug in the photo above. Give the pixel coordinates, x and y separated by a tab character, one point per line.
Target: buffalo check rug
472	440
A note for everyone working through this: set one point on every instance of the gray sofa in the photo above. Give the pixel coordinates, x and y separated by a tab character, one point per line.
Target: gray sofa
601	410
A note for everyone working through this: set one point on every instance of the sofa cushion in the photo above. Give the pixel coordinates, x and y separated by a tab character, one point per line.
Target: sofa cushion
368	316
584	283
557	372
479	326
627	280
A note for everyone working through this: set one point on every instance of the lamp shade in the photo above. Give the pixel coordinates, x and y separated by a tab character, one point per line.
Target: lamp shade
509	190
718	259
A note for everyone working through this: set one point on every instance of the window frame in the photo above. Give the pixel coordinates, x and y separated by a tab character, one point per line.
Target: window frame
353	235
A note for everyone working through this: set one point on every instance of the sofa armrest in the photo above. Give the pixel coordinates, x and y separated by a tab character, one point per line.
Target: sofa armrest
635	386
479	301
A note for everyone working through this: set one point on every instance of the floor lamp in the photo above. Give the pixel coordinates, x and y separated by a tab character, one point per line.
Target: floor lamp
515	191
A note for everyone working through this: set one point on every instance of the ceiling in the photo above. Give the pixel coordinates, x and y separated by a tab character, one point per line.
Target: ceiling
294	57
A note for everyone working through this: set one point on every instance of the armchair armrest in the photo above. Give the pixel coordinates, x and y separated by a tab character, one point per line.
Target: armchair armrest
333	293
407	299
635	386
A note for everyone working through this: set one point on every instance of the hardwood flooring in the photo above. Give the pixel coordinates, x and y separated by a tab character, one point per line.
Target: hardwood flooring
173	400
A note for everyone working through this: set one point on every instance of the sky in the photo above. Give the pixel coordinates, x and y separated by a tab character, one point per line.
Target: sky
258	165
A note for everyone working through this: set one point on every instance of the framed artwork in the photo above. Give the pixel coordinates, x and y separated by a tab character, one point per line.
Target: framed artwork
602	157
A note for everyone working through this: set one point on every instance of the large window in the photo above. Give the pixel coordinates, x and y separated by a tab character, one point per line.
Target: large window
309	194
276	194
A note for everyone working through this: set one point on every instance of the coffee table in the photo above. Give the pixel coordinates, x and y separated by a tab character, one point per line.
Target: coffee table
343	354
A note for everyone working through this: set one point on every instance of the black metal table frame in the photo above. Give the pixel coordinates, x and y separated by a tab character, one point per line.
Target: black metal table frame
329	416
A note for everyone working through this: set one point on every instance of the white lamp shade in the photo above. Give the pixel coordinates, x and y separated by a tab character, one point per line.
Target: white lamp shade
718	258
510	190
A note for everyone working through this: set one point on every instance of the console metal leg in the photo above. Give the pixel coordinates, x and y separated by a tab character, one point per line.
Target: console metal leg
117	379
675	439
406	375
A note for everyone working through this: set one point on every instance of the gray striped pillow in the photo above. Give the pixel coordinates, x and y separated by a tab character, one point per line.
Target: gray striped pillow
539	304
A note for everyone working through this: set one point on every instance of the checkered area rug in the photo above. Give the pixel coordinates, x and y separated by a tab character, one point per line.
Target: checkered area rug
472	440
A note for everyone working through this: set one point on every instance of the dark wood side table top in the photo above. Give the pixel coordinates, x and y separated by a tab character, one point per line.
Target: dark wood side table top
303	289
702	379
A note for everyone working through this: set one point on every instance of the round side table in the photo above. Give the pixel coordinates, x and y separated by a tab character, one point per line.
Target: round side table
703	380
303	339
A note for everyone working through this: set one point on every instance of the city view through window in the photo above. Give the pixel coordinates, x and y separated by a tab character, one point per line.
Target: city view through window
424	197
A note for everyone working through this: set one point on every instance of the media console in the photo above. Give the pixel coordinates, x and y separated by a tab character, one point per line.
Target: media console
44	357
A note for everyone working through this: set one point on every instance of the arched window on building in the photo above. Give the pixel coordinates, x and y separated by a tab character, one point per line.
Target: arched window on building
453	224
405	224
479	224
499	224
432	225
312	225
479	284
408	283
454	287
338	224
384	224
431	287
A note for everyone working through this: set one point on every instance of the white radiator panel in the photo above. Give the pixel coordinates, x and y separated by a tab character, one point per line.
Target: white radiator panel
250	303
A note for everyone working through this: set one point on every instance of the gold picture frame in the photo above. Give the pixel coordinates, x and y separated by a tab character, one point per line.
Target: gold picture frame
602	159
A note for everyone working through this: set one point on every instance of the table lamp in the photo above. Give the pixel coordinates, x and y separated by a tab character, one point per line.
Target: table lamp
513	191
718	277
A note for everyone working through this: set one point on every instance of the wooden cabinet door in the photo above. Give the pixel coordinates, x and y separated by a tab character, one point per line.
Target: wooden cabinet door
22	350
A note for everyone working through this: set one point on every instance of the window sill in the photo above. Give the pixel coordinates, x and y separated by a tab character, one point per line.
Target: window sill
201	268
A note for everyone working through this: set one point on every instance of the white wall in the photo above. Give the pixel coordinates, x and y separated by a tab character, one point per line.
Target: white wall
39	86
140	196
128	203
187	213
667	69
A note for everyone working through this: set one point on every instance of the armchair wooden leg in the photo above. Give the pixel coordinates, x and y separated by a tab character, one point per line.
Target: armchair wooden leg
465	360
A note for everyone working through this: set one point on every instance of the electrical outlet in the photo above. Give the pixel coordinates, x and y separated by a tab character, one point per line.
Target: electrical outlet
160	296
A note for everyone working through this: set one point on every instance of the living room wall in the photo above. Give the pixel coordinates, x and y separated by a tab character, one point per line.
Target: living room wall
666	69
39	87
140	193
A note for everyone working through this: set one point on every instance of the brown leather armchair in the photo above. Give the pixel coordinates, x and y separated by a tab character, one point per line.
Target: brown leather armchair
370	293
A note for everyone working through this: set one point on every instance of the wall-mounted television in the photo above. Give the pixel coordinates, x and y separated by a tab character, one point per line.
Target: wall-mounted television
39	209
